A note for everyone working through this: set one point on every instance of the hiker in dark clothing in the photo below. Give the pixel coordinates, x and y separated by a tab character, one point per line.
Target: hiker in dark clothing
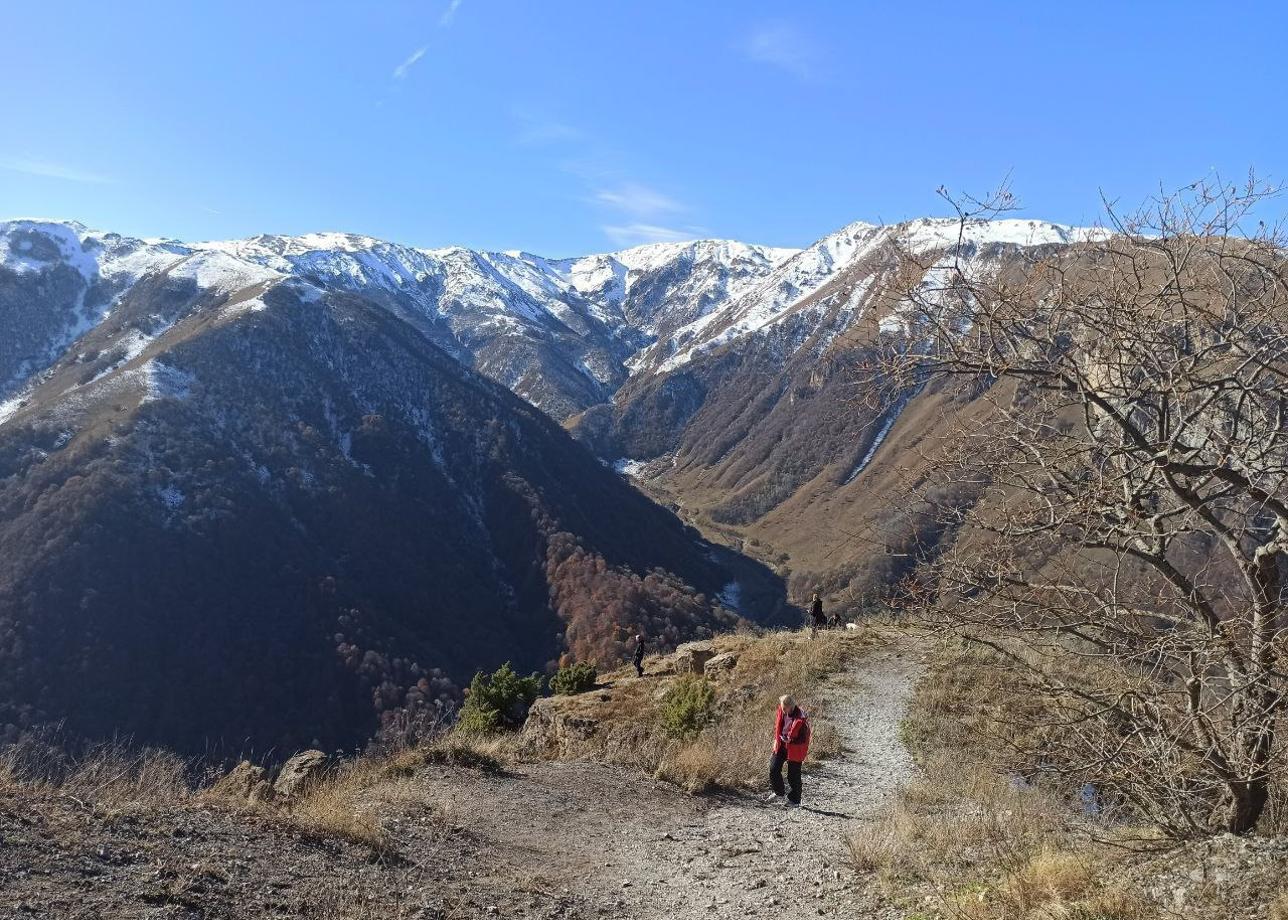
638	659
791	745
816	614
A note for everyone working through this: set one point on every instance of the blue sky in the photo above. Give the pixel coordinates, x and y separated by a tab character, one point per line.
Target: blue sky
565	127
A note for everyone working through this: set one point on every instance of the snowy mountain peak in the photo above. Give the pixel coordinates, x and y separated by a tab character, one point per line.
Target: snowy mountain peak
563	333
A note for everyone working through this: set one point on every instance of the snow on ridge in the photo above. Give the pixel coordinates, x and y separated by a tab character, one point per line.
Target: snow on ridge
220	271
934	233
773	296
803	274
20	253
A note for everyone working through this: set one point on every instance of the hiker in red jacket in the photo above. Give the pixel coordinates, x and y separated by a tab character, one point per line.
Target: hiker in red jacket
791	744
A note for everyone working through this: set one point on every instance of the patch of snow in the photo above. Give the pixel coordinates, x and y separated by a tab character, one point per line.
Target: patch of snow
162	381
891	417
628	467
9	408
929	233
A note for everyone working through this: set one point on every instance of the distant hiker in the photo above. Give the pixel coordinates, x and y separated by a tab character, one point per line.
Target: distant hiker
638	658
791	744
816	614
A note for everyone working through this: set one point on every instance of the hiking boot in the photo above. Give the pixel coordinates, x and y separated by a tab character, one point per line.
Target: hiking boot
788	803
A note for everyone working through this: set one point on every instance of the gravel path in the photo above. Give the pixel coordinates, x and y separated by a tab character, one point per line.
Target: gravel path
605	843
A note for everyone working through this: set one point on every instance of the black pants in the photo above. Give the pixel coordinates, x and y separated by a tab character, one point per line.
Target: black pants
639	666
793	777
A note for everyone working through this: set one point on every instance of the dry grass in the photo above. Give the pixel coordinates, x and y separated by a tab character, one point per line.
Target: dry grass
956	816
988	849
342	805
347	803
111	779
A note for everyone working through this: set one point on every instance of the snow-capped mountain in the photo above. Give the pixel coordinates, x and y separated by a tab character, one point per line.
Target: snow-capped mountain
565	334
558	332
314	413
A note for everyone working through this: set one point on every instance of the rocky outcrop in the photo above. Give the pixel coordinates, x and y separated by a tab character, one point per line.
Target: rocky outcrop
299	773
692	657
559	725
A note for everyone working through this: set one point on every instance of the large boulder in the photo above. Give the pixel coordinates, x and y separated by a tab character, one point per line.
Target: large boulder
692	657
300	772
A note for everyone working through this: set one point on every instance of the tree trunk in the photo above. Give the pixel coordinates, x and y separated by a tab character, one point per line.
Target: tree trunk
1247	802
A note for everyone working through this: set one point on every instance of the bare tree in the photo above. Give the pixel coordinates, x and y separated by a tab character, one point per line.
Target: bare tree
1123	499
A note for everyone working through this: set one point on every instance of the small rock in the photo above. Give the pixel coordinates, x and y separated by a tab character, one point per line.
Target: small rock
300	772
720	664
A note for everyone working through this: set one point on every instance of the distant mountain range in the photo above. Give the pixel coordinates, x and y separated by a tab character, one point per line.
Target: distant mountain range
275	491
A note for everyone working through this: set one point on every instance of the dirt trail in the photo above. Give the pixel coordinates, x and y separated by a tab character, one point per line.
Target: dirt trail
588	840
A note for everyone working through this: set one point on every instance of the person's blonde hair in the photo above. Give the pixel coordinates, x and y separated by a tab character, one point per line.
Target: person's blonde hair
786	702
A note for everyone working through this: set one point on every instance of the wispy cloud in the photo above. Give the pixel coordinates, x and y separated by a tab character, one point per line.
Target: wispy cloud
637	234
632	212
786	47
51	170
638	209
541	132
400	72
638	200
450	13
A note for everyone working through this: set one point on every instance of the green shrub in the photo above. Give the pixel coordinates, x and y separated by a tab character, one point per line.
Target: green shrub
686	708
499	701
575	678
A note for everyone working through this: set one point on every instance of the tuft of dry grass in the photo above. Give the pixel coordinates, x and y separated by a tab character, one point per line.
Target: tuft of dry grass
489	754
1278	908
342	805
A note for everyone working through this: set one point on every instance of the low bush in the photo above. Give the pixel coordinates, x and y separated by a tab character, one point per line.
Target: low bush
499	701
687	706
575	678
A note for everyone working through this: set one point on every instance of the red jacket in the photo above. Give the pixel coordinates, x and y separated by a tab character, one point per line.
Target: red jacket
791	731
